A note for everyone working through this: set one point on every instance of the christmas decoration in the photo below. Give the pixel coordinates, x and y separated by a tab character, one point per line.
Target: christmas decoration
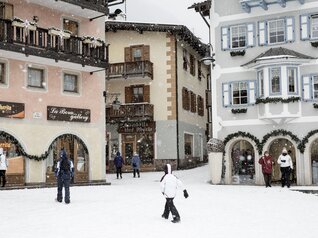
302	145
239	110
277	99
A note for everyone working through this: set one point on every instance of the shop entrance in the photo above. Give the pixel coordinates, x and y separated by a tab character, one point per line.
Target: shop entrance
275	150
76	151
314	161
243	163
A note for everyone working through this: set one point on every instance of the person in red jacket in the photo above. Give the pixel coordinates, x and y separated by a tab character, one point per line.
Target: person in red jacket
267	166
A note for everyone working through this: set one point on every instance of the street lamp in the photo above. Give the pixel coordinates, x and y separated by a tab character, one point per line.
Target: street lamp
116	103
208	59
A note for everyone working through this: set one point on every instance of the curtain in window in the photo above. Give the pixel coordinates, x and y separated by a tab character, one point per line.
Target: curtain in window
35	78
70	83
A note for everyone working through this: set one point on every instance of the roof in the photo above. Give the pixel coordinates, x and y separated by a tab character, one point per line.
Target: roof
203	7
279	52
179	30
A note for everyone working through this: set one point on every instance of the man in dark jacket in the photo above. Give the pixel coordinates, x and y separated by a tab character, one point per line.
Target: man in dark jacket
64	172
118	161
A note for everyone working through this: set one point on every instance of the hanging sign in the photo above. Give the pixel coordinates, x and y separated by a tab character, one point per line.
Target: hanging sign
12	110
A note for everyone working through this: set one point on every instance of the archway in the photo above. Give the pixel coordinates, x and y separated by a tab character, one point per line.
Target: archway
12	149
76	151
314	161
243	163
275	150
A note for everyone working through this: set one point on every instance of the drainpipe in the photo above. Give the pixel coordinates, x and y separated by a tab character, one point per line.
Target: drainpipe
177	105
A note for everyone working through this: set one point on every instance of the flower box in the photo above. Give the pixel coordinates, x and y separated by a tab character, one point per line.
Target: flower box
17	23
54	32
237	53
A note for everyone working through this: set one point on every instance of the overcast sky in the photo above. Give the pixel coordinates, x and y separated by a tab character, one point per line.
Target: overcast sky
167	12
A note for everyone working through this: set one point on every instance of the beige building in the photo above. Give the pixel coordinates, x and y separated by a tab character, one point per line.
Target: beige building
162	87
52	78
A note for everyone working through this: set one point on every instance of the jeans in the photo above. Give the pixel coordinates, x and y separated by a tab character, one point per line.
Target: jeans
118	171
169	207
285	176
136	171
63	180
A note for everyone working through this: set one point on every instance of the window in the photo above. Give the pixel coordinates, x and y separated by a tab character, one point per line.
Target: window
238	36
36	78
193	102
2	73
71	26
260	77
70	83
185	59
137	53
188	144
292	80
315	86
314	26
138	94
239	93
200	106
199	70
276	31
185	99
275	80
192	65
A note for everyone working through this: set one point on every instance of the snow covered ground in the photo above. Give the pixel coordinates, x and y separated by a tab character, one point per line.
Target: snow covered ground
132	207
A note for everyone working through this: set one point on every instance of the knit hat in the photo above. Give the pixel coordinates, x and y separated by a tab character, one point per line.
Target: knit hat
284	150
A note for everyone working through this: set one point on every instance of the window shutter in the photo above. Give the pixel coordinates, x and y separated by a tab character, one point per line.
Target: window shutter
128	94
225	38
193	102
307	95
147	93
226	94
290	29
262	33
304	27
127	54
250	35
146	52
185	99
252	92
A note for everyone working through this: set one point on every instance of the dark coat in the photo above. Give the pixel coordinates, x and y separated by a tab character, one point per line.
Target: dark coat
118	160
267	164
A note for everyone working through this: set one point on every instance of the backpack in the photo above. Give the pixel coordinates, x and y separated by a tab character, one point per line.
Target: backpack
65	165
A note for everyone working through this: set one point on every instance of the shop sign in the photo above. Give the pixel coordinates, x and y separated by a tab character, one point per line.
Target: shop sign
68	114
137	127
12	110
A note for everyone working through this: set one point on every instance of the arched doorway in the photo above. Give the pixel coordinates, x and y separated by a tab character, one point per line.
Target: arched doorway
12	149
243	163
275	150
76	151
314	161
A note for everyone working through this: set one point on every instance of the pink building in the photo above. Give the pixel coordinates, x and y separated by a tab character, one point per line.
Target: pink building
52	78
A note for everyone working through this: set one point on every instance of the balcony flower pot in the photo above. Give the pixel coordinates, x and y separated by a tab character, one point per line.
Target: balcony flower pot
87	40
237	53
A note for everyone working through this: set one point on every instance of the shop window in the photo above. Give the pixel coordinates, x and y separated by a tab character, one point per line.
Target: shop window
188	144
6	11
314	161
137	53
275	80
2	73
36	78
192	65
71	26
70	83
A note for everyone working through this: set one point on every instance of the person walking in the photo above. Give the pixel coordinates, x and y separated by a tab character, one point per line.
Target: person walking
64	172
135	162
286	165
267	166
169	185
118	161
3	167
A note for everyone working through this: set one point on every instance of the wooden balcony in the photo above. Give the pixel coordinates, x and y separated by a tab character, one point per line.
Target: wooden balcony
130	113
126	70
40	42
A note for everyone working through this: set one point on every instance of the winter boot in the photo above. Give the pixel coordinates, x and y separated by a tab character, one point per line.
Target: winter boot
176	220
164	216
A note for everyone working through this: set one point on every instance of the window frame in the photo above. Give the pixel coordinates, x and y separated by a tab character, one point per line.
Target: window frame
260	81
315	16
240	96
276	35
77	87
295	80
270	81
140	96
245	35
43	80
191	137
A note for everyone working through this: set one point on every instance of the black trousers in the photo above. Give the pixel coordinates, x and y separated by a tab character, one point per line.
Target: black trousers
3	177
136	171
170	207
118	172
268	179
63	180
285	176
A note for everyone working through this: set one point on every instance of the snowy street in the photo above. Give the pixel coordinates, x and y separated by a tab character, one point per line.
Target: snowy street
132	207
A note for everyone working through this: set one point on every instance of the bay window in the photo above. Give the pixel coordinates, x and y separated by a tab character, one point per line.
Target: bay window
275	80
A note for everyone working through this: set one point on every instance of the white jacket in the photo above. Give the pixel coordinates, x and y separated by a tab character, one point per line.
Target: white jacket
3	161
170	184
285	161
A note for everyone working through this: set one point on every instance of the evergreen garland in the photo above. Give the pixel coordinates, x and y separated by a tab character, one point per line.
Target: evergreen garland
239	110
21	152
244	134
276	100
279	133
302	145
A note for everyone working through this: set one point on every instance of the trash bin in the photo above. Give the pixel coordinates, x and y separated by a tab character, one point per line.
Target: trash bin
315	172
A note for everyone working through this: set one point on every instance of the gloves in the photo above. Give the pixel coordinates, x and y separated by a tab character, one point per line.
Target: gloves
185	194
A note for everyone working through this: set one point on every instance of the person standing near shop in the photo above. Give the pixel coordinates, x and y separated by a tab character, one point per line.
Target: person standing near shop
64	172
135	162
267	166
118	161
3	167
286	165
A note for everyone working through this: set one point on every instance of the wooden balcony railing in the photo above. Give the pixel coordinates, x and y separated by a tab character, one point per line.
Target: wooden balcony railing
130	70
39	42
130	112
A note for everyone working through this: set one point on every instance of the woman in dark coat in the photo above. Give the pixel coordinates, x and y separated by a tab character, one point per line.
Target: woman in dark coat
118	161
267	166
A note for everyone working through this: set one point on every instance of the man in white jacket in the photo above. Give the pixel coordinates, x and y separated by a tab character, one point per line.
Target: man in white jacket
169	185
3	167
286	165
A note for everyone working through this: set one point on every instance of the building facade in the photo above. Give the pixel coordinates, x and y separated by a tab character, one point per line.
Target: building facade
52	72
162	87
265	86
